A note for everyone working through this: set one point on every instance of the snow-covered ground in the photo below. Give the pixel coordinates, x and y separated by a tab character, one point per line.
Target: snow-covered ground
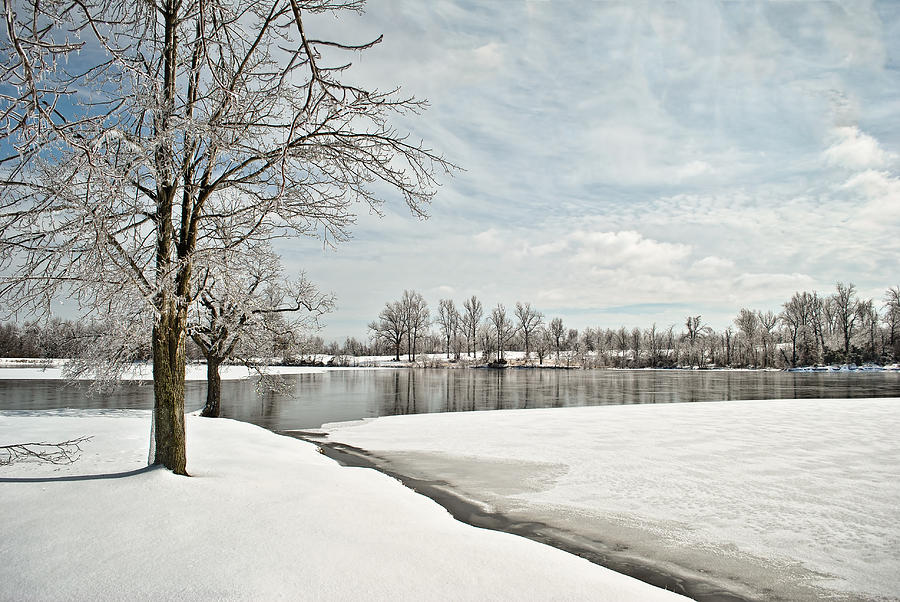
796	499
25	369
263	517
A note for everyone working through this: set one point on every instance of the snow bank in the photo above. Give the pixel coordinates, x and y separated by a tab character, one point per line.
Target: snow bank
52	370
793	497
263	517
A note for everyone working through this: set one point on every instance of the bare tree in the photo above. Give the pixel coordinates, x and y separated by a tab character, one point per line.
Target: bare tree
179	114
244	297
416	318
653	345
503	328
486	335
557	331
796	316
868	323
529	319
472	314
636	337
747	323
448	320
892	318
820	321
845	306
391	327
767	322
695	330
542	343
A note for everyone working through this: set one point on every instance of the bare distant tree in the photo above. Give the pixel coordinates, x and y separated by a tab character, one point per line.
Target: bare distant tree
796	316
747	323
448	320
767	321
485	334
820	321
695	330
868	324
416	318
654	343
892	318
390	328
529	319
503	328
557	332
543	343
175	115
622	343
636	338
472	314
845	306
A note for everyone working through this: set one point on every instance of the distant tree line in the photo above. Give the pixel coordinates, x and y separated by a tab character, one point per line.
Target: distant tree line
55	338
810	328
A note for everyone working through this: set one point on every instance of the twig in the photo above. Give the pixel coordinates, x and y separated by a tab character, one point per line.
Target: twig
64	452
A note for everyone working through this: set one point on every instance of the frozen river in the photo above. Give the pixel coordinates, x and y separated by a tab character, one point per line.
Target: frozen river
756	500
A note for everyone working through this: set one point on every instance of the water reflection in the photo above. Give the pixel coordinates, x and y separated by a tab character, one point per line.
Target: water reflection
351	395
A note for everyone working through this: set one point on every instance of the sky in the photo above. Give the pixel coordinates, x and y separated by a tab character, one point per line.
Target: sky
627	163
630	163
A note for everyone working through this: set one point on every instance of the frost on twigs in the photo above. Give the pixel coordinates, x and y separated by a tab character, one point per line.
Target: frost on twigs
186	131
64	452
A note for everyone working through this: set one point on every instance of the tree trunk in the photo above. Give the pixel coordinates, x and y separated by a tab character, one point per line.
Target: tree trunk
168	389
213	388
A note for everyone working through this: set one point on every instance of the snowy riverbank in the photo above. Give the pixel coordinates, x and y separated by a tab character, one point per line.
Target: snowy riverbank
262	517
787	499
38	369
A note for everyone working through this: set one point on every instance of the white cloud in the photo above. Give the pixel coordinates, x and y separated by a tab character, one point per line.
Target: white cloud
854	149
625	250
489	56
881	193
711	266
694	169
624	153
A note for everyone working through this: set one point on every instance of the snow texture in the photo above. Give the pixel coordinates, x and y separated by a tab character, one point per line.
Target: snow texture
53	370
797	498
263	517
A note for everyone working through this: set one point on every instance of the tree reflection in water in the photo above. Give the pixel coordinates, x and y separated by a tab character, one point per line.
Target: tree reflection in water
343	395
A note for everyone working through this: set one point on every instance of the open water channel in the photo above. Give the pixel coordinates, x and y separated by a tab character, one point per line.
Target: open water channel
349	394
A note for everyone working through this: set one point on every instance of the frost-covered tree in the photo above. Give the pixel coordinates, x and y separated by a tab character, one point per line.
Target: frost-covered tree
557	333
473	310
416	318
529	319
747	323
390	327
798	316
502	327
136	126
242	305
892	318
542	343
868	326
448	321
767	321
845	307
695	331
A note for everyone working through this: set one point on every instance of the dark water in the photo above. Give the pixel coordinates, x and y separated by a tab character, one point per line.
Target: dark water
353	394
